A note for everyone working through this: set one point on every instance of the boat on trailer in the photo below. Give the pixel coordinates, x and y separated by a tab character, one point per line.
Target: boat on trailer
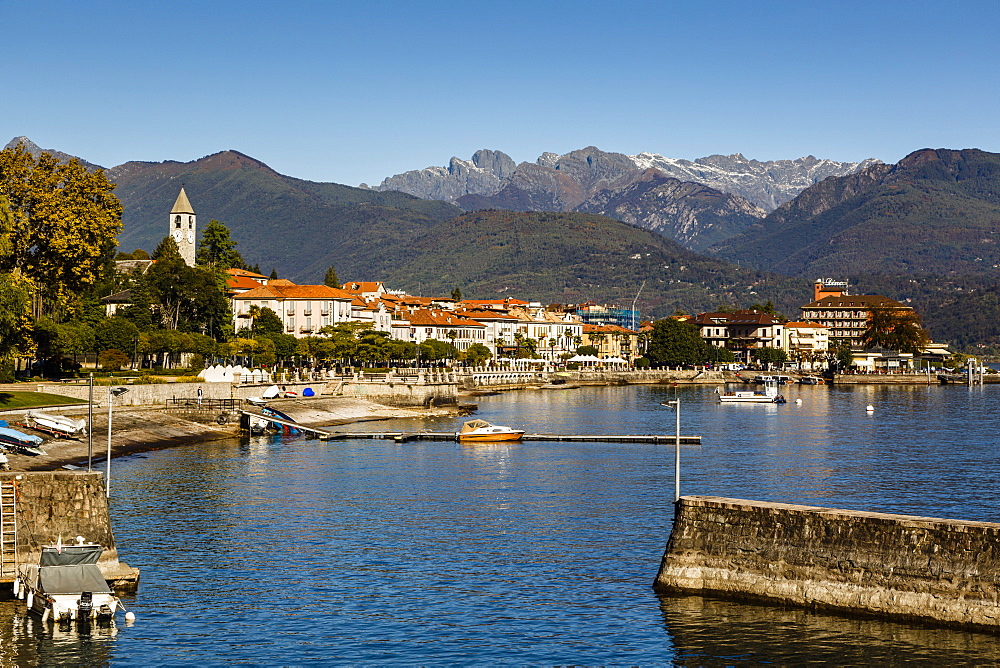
481	431
57	425
67	585
769	395
17	441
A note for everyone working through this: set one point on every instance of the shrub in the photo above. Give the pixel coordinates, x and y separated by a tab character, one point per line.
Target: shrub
112	359
189	379
641	363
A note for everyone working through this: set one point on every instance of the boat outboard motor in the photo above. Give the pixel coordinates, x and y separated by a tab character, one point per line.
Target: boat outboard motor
86	607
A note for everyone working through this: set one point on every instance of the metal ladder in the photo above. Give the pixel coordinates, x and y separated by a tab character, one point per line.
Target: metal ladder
8	530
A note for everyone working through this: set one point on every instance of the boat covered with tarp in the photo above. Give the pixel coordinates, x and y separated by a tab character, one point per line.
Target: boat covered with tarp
67	585
18	441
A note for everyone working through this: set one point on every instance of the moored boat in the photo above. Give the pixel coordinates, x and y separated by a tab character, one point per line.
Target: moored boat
811	380
67	585
481	431
769	395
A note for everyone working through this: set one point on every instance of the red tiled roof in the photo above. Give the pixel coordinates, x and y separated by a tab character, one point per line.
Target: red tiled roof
282	289
357	287
427	318
243	272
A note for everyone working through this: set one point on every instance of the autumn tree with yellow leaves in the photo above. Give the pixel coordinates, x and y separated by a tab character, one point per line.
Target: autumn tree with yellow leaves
64	223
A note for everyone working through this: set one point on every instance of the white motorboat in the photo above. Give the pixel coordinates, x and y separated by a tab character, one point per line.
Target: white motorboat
67	585
58	425
769	395
481	431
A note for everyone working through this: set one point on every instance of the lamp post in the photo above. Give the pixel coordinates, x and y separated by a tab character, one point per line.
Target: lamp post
676	403
90	425
112	393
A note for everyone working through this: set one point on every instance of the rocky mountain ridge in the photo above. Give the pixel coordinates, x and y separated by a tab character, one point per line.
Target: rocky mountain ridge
767	184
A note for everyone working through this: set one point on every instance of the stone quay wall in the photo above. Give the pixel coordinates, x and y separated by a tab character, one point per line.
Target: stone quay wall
66	504
422	389
896	566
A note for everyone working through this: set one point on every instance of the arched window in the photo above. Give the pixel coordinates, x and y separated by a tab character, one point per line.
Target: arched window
177	222
190	222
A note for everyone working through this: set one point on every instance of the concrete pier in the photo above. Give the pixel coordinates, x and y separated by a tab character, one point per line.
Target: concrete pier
896	566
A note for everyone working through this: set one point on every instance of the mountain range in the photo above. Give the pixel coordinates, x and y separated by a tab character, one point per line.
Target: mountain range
697	203
766	184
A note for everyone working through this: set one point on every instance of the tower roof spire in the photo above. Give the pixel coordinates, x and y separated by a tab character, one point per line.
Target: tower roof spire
182	205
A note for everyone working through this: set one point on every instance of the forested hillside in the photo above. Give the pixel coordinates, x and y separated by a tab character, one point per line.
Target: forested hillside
567	257
299	227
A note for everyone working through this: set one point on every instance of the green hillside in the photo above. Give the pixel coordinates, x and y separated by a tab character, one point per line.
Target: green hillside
571	257
936	212
299	227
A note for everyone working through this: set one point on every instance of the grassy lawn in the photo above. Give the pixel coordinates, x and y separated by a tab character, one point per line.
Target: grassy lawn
15	400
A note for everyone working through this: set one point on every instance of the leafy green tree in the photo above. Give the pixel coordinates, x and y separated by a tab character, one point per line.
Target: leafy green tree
65	222
843	356
167	249
720	355
477	354
330	278
15	316
116	333
768	356
433	350
217	249
112	359
675	343
274	274
456	294
587	350
265	323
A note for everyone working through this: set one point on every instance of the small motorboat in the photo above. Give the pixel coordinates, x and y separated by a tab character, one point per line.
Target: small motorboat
18	441
481	431
811	380
558	384
67	585
769	395
57	425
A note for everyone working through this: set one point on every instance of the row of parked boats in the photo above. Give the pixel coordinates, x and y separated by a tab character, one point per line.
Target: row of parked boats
16	441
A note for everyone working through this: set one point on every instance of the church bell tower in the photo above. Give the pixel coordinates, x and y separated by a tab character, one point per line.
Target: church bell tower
184	227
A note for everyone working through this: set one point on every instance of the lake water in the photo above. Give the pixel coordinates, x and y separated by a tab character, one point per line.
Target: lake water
296	552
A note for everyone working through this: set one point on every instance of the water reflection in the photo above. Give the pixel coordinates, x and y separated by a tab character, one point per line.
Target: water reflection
26	641
708	632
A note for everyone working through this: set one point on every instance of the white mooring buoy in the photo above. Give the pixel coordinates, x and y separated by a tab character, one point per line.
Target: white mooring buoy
798	402
129	616
870	408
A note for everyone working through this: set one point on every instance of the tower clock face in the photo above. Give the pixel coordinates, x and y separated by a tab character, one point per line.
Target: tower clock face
190	236
176	234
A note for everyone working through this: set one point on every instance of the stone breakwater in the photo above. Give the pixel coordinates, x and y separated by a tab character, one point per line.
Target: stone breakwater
63	505
897	566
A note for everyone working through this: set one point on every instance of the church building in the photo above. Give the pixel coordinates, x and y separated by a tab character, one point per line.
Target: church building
184	227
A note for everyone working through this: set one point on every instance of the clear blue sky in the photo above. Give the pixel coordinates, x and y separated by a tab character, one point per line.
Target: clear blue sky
356	91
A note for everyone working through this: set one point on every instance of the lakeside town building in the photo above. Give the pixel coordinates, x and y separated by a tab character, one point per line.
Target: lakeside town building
845	315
